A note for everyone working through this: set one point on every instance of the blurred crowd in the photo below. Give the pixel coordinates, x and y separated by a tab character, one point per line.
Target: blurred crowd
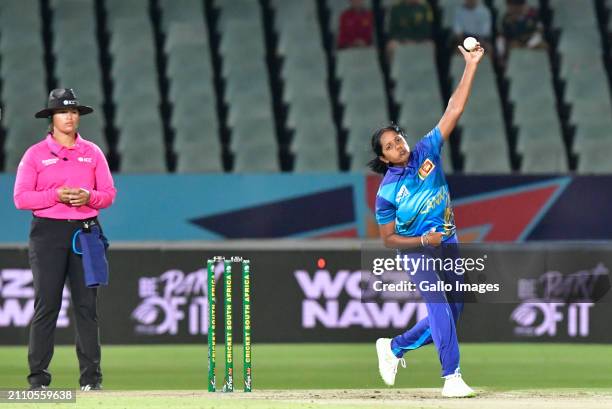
410	21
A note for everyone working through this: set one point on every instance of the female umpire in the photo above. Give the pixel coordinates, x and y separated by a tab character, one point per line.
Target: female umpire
413	210
65	181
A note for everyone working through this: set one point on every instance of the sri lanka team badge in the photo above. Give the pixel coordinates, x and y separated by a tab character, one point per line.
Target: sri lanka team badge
426	167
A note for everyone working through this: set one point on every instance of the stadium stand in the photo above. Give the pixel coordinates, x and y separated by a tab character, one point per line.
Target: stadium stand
336	8
23	77
191	91
258	86
247	91
362	91
77	61
540	140
500	6
135	87
583	71
304	73
483	141
417	92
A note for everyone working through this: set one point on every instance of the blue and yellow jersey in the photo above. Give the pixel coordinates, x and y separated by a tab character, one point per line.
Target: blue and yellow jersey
416	197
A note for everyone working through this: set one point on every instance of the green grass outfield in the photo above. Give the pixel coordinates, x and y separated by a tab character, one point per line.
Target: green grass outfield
489	367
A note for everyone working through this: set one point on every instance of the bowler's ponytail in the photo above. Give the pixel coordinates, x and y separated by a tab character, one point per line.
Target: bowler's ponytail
378	166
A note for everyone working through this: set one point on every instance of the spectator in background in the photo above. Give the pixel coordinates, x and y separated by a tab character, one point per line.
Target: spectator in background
521	27
356	26
473	19
410	21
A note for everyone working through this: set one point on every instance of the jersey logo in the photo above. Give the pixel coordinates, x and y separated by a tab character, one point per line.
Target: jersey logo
426	167
48	162
403	192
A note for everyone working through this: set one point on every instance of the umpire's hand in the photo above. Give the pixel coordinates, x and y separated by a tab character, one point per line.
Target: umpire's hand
64	194
79	197
73	197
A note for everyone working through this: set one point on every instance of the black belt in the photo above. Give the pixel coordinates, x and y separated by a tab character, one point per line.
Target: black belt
85	222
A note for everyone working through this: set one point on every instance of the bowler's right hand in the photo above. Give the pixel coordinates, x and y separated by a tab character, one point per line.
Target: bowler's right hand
472	57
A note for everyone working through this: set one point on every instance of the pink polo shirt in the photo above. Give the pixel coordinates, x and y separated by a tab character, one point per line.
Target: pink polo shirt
41	173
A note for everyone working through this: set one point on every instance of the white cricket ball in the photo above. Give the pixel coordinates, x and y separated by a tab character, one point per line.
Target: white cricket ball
470	43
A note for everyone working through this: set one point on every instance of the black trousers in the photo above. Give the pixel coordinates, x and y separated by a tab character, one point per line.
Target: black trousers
52	261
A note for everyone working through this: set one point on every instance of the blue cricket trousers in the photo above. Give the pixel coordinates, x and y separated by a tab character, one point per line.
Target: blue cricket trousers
443	309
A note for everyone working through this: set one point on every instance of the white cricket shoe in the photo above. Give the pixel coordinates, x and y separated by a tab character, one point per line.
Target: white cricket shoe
455	387
387	362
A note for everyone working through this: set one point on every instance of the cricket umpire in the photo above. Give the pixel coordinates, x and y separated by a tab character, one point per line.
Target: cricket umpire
65	181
